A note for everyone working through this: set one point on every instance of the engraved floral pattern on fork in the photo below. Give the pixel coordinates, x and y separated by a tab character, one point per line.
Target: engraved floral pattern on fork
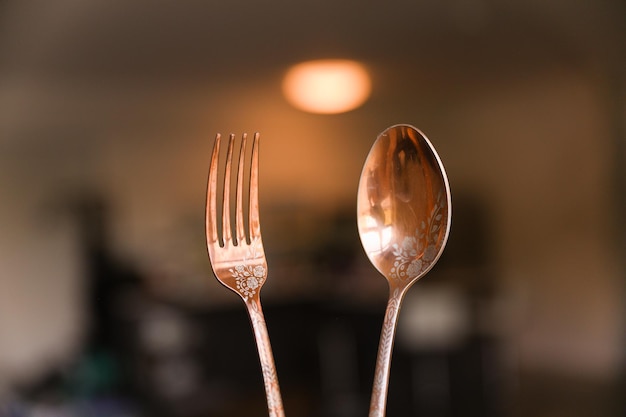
249	278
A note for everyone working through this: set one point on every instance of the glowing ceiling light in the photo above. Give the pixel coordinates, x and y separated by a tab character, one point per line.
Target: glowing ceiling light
327	86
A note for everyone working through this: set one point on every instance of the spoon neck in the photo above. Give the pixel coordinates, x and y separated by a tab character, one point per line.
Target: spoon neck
397	290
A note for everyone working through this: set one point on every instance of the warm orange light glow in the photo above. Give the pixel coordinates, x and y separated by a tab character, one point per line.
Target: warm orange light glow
327	86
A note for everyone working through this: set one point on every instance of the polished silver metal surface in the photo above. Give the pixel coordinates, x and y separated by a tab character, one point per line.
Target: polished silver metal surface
238	260
404	214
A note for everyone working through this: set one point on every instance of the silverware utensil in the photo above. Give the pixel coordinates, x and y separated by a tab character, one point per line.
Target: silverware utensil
403	216
238	260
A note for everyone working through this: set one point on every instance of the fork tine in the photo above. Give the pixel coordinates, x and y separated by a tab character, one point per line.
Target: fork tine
239	224
211	203
226	230
255	225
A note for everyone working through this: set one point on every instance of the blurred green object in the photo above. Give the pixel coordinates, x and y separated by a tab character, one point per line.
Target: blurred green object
96	374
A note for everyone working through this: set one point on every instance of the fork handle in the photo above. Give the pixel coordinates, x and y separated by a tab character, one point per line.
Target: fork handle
268	368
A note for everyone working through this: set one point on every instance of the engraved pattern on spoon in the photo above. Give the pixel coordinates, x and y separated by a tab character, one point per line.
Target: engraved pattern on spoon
408	264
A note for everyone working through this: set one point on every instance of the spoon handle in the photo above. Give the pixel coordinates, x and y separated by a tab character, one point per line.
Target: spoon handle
383	360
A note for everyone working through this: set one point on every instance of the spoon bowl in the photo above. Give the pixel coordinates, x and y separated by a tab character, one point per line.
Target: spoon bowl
403	215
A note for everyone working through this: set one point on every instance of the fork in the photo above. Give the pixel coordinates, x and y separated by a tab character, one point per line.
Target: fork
238	260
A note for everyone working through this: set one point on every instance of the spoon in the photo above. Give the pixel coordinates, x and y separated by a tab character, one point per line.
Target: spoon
403	215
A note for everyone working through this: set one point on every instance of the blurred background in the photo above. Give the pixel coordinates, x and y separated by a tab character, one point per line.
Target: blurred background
108	110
